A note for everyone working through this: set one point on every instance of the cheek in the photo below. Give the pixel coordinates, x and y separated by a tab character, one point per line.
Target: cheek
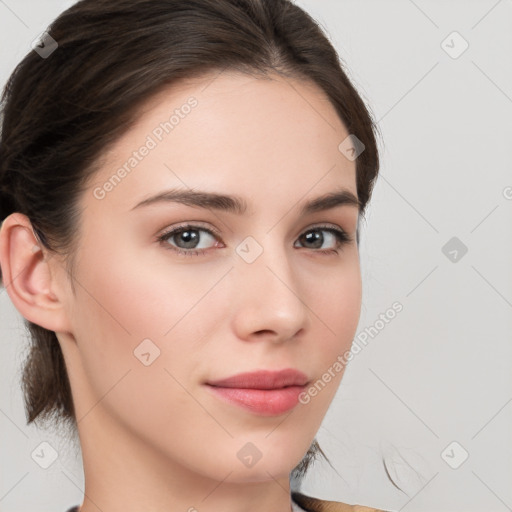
125	300
125	303
335	302
137	295
336	306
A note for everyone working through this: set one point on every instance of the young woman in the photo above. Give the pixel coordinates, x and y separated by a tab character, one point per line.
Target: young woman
181	190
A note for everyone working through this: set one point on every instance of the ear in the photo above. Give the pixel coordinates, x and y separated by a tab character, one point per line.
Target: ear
27	275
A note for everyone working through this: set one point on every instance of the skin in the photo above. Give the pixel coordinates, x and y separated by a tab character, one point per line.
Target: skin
152	437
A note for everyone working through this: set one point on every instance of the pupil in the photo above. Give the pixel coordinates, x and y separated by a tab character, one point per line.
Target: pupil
191	236
315	236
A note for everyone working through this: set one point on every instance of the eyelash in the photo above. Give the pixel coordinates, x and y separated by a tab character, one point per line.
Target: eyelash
341	236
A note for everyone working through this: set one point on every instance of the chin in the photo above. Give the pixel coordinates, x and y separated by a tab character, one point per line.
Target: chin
264	461
259	473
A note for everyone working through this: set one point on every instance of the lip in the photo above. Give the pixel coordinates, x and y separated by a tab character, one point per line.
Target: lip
264	392
263	379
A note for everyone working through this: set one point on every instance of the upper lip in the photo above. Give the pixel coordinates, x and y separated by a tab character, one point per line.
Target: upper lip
263	379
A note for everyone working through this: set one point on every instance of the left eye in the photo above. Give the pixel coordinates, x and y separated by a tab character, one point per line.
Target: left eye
187	239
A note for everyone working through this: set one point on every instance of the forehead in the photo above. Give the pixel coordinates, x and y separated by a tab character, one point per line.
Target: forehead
231	132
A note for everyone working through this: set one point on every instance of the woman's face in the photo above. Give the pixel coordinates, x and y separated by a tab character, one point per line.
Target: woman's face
267	288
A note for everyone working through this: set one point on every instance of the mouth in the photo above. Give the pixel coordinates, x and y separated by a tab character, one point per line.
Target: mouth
265	392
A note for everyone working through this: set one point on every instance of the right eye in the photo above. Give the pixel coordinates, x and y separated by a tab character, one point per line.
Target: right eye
187	238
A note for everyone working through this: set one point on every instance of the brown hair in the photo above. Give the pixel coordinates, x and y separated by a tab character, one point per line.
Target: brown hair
60	113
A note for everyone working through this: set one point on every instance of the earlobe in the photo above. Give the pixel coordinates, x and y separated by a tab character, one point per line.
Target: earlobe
27	275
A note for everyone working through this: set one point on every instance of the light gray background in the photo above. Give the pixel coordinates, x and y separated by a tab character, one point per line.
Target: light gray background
440	371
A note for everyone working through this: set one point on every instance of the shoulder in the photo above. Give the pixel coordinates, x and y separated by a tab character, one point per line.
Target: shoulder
311	504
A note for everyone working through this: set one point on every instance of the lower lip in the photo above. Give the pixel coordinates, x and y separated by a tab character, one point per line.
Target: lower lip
266	402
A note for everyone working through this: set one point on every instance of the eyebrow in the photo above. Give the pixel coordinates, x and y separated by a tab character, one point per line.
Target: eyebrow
238	205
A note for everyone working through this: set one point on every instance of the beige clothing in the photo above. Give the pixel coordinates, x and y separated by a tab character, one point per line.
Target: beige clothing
310	504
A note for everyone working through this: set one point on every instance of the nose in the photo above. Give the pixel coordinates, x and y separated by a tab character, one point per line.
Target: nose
268	302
